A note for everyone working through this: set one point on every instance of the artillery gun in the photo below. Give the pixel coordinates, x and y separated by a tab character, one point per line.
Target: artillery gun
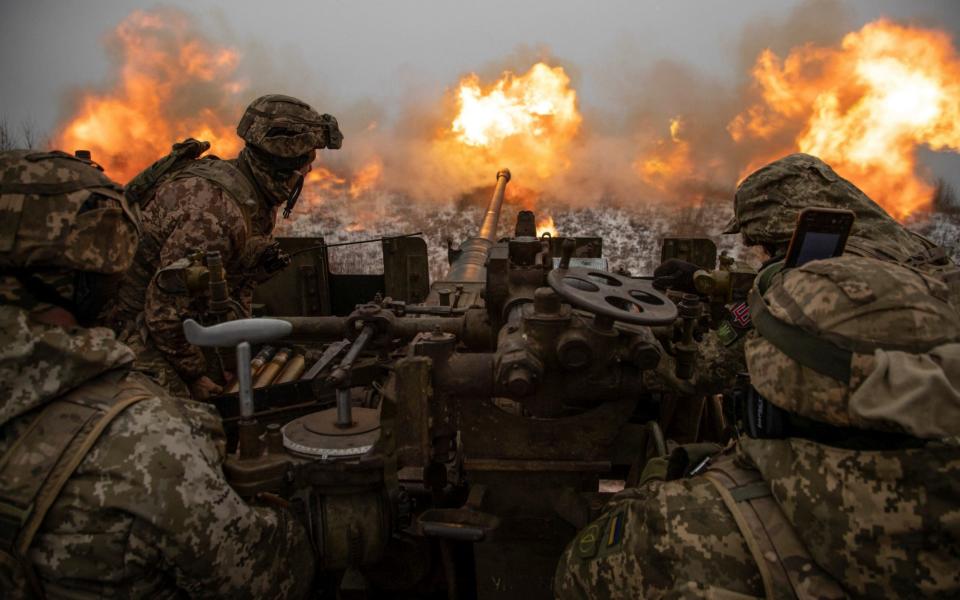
452	446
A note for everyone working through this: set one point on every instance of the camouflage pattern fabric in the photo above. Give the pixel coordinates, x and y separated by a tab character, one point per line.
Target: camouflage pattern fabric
768	201
869	309
671	539
287	127
879	522
148	512
58	211
188	214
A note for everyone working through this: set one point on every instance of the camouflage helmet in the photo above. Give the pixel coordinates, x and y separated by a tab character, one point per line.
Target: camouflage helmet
286	127
768	201
60	212
858	342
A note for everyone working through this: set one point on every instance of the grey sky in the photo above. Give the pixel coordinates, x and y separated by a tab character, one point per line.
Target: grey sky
348	51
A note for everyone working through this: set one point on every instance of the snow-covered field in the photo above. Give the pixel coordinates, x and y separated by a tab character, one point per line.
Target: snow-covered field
631	234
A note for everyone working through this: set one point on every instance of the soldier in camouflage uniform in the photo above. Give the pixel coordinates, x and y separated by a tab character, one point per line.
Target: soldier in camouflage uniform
228	206
766	206
846	490
109	487
767	203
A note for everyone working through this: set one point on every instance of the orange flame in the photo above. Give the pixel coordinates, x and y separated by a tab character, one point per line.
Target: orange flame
545	224
172	85
366	178
668	161
525	121
865	107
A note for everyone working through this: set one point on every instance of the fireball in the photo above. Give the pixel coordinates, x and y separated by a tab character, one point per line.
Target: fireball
527	122
865	108
172	84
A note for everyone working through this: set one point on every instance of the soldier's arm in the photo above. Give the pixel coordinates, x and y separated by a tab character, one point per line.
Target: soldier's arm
661	540
201	219
210	541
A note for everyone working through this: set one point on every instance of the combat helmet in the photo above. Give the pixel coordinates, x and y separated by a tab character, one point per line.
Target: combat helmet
59	215
858	342
286	127
767	202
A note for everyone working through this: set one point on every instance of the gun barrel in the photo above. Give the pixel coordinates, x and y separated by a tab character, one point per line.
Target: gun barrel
469	266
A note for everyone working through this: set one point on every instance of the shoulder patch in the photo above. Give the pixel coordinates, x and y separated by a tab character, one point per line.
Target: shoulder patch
588	541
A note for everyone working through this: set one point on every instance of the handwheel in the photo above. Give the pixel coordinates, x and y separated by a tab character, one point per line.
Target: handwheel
613	296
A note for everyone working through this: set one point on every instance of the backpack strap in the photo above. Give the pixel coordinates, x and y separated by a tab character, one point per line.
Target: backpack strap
36	467
786	568
140	189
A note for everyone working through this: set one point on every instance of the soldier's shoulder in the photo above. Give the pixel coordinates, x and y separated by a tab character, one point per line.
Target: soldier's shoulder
673	537
194	190
160	428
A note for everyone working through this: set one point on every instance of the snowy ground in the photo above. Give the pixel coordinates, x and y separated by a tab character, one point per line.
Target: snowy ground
631	235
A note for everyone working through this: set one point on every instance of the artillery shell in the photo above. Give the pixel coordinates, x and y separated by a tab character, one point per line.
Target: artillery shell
265	354
270	371
294	369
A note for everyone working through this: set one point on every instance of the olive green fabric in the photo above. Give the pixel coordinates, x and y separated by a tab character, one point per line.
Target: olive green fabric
890	324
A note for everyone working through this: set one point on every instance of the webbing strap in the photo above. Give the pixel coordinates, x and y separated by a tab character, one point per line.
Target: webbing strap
747	531
785	565
807	349
52	490
73	427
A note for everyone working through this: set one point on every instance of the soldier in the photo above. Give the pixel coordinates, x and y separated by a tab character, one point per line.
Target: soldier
841	486
206	205
766	206
109	487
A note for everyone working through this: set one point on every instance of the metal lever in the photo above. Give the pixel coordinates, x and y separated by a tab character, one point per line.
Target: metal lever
341	377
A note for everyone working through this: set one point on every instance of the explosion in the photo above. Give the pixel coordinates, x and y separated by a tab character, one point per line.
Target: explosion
171	85
667	162
865	108
525	121
545	224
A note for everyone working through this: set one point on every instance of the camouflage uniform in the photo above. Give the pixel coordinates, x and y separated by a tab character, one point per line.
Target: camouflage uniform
768	201
871	513
229	206
766	206
146	511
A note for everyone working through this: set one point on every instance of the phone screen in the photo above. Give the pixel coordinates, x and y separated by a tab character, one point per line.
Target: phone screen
818	245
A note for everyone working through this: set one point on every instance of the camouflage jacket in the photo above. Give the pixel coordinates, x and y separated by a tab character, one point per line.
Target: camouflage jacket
148	512
880	523
188	214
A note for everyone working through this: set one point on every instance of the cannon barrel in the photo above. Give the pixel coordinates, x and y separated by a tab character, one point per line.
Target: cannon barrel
469	266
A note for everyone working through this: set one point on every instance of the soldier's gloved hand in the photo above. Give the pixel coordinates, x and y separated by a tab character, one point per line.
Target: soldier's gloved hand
675	274
274	258
204	388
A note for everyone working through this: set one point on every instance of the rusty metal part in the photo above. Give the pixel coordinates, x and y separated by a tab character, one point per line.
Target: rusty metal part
326	358
526	224
685	350
318	435
613	296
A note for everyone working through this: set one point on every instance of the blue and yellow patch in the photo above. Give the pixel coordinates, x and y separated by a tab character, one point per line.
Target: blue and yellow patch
601	538
615	530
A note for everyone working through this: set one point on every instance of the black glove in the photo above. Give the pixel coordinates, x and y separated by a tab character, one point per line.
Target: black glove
675	274
274	259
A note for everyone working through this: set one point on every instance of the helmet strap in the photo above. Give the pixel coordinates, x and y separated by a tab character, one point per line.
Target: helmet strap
292	199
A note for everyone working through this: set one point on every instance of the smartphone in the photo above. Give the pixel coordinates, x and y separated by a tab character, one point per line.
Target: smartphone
820	233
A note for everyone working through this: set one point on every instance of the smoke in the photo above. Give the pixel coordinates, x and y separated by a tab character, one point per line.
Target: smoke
664	137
